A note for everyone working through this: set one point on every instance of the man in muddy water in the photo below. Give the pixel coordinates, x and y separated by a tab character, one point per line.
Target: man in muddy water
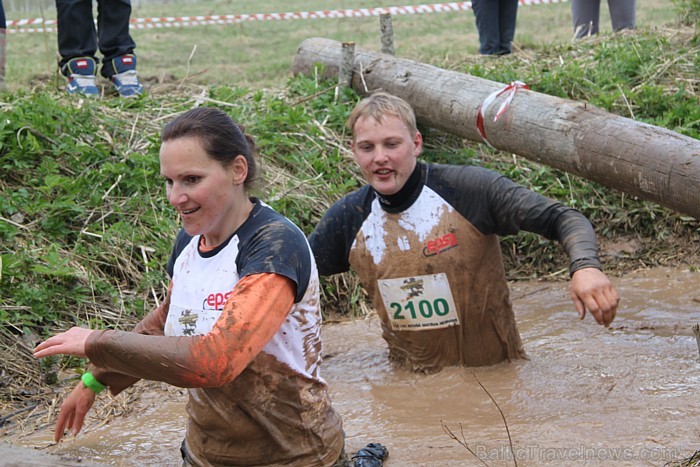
423	239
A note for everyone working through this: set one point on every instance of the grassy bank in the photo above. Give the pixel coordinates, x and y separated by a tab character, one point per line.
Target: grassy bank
258	53
85	228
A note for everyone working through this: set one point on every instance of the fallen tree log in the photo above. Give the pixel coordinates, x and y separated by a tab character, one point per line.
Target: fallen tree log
643	160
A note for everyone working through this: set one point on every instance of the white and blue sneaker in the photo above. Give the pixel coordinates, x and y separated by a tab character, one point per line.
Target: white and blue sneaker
125	79
80	72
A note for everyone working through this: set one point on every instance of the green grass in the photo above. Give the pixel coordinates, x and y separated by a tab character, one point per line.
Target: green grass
259	54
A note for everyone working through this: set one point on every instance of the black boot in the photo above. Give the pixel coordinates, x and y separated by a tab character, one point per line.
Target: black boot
371	455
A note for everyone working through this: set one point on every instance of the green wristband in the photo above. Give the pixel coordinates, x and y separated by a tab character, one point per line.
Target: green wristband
90	382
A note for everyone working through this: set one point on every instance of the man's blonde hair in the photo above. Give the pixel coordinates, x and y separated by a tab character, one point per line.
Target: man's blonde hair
379	104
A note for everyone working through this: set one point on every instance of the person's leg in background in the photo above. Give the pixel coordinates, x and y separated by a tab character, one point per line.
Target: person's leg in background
623	14
585	15
113	32
507	16
77	45
3	43
117	46
486	14
76	30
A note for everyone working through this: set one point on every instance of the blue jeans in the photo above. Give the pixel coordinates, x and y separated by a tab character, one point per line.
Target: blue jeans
495	21
77	36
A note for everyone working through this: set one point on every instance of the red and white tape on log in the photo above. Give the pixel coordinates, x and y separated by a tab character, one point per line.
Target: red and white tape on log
20	25
510	91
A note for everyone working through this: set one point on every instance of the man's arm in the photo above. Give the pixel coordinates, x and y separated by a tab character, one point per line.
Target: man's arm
495	204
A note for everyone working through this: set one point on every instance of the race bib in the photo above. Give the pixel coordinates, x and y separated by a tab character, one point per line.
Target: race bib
419	302
189	322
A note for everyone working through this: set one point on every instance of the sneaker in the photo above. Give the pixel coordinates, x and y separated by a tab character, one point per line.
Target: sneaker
81	76
126	80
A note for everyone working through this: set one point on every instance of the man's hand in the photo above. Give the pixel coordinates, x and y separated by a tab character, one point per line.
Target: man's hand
592	290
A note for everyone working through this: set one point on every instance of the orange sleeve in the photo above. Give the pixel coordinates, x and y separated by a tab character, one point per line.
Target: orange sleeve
255	311
152	324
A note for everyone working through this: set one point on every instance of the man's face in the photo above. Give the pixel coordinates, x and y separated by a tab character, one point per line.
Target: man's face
386	152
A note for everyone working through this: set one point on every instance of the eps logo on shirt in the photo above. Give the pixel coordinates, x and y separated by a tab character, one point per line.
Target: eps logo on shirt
439	245
216	300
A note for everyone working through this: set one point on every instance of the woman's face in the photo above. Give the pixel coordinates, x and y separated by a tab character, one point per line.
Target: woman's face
204	193
386	152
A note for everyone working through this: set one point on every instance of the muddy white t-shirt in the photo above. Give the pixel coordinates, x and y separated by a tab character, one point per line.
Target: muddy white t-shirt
277	409
204	281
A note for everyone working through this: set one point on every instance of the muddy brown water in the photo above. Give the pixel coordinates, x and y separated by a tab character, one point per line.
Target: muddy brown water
628	395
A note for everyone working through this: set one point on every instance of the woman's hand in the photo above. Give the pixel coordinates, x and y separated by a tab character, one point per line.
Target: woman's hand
71	342
73	411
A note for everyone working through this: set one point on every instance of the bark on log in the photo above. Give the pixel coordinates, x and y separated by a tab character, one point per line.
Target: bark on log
643	160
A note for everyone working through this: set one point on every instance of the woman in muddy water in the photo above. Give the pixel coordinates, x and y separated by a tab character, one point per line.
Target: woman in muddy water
423	239
240	325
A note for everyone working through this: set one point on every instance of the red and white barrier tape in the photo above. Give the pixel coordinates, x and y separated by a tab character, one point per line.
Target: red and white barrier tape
183	21
511	89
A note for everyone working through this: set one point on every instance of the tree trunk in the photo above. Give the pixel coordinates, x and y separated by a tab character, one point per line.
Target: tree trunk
650	162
